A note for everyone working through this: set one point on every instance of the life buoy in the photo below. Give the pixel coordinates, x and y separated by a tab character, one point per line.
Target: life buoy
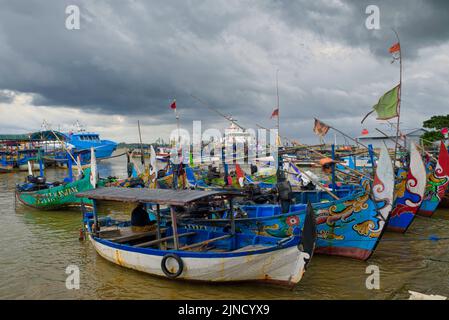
165	269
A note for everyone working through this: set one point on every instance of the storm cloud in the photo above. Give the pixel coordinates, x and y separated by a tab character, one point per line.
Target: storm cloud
131	58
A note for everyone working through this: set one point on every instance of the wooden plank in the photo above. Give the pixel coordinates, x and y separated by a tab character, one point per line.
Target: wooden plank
157	241
202	243
134	236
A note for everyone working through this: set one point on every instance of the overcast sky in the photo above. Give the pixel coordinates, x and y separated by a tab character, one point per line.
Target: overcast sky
131	58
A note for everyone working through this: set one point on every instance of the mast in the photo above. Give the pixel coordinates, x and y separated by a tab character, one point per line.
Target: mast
399	97
277	95
142	157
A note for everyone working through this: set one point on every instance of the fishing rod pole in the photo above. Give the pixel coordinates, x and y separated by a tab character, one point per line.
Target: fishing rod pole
62	144
321	155
418	146
229	118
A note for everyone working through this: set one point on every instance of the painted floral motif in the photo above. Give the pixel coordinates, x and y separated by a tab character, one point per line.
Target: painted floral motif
366	228
283	227
343	211
328	235
401	183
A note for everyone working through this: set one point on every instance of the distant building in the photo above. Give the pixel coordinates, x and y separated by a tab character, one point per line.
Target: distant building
377	139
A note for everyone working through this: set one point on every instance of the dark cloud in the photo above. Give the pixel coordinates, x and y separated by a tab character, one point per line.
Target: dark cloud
133	57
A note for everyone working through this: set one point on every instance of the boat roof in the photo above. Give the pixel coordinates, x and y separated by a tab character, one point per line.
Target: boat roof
160	196
34	136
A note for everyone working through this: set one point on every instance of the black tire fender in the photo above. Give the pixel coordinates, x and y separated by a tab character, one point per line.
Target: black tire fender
165	269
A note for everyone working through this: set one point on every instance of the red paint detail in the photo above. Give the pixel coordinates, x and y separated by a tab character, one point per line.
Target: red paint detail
355	253
425	213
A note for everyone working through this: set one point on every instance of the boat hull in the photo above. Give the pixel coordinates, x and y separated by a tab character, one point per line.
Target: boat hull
6	169
57	197
282	266
349	227
409	193
437	183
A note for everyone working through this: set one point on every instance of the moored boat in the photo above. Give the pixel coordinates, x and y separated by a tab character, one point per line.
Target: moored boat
409	193
194	254
437	183
351	226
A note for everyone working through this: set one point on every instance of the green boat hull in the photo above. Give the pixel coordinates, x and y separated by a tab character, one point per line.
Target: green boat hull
62	196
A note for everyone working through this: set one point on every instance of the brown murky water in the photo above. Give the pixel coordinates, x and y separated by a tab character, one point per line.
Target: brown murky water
36	247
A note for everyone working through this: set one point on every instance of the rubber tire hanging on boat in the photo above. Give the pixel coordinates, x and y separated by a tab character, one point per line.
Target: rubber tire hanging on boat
178	260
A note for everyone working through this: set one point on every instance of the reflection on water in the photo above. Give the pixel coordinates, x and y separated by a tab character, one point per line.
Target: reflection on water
36	247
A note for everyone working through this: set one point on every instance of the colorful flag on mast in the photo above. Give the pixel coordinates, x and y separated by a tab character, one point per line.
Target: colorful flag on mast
275	113
320	128
173	105
395	48
388	105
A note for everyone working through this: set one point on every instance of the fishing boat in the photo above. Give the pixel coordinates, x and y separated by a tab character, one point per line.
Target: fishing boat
409	192
350	227
191	253
37	193
437	183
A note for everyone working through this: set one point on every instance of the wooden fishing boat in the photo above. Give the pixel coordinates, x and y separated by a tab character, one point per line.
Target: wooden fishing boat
37	193
191	253
55	195
350	227
437	183
409	192
6	168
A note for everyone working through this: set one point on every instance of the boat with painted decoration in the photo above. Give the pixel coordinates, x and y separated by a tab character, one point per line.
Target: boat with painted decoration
351	226
409	192
437	183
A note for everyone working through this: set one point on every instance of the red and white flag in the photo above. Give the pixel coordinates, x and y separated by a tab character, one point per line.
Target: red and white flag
173	105
275	113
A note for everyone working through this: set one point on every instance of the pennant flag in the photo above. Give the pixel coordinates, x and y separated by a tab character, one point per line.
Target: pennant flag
395	48
388	104
173	105
93	168
320	128
275	113
240	174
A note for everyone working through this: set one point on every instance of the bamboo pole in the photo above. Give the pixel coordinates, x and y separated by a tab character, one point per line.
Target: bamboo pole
399	98
317	183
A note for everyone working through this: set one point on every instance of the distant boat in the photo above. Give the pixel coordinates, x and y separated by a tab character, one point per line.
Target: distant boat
83	141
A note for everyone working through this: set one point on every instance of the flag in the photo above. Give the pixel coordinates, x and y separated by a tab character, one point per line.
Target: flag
173	105
365	131
388	104
320	128
395	48
93	168
275	113
240	175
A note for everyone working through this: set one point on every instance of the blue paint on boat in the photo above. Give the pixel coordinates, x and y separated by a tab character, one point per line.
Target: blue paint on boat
86	140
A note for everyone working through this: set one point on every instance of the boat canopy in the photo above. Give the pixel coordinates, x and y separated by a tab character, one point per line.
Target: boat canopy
48	136
33	136
158	196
